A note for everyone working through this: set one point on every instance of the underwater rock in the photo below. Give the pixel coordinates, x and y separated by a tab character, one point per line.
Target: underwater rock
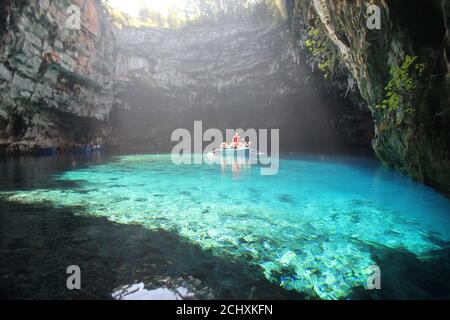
288	258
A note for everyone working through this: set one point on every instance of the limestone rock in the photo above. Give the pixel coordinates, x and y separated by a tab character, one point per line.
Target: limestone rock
419	144
46	66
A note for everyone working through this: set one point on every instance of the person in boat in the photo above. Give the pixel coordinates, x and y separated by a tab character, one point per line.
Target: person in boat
223	146
247	142
236	140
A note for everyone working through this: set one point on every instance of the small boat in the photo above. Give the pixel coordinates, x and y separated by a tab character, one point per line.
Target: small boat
230	152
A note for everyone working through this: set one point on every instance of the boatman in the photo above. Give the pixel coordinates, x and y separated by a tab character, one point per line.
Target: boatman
236	140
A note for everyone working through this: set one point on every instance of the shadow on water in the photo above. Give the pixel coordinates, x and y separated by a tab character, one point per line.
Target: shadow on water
29	172
39	242
405	276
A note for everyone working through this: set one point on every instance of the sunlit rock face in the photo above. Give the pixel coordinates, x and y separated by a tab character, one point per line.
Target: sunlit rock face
55	83
413	137
245	73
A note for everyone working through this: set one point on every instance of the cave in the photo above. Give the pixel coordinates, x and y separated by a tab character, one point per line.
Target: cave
422	20
253	80
246	150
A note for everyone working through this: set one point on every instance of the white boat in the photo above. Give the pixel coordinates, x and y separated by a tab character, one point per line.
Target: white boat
231	152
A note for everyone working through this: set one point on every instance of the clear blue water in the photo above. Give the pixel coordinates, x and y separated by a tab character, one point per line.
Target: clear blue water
313	228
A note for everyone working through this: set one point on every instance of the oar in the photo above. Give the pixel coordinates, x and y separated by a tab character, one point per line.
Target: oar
256	151
214	151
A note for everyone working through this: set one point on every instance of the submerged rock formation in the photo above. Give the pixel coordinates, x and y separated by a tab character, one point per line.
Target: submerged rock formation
401	71
55	81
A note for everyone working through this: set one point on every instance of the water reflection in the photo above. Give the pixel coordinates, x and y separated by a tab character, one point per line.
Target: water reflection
137	291
238	166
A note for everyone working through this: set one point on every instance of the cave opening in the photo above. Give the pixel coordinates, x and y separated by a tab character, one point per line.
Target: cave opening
98	101
232	64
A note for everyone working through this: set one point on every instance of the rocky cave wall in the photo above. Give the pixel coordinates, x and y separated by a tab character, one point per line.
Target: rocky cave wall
58	86
401	72
61	86
55	83
235	73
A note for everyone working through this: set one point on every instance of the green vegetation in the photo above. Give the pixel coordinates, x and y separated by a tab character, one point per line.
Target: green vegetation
322	49
146	19
401	91
192	11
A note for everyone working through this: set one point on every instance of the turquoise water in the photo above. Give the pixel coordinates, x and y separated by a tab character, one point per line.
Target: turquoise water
311	228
